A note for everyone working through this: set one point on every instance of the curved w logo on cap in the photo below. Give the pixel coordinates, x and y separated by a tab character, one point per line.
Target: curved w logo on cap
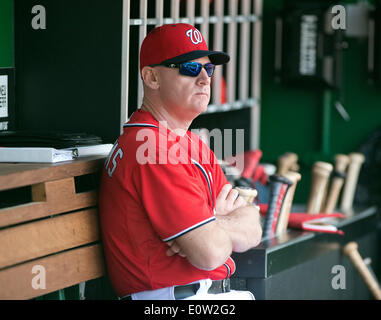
194	35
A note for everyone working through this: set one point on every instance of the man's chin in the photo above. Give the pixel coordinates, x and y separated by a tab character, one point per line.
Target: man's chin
203	108
197	110
194	110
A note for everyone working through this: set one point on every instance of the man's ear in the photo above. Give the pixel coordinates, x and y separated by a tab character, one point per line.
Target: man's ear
150	77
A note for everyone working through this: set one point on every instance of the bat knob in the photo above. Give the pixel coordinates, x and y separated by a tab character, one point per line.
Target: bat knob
341	162
357	157
280	179
323	168
247	193
350	247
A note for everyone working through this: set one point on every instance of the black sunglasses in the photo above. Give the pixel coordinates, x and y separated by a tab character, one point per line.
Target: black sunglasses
191	69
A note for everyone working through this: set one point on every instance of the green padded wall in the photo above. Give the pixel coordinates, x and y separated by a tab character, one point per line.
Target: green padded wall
304	120
6	34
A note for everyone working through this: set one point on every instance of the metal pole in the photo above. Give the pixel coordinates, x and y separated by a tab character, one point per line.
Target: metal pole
232	49
175	10
205	24
190	11
256	77
217	45
125	63
142	34
159	9
244	54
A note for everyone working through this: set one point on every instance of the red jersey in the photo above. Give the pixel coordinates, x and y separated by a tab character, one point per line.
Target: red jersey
155	187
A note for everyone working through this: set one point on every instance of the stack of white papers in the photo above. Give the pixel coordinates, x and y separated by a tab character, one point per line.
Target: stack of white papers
94	150
51	155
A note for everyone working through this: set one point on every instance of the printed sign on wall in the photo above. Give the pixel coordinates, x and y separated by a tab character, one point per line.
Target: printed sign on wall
3	96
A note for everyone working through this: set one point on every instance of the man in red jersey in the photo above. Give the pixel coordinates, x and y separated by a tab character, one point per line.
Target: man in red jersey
170	219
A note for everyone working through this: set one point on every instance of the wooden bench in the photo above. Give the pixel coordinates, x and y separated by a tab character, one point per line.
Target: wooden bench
52	241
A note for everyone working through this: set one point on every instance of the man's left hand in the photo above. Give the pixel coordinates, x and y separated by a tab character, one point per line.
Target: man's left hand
174	249
228	200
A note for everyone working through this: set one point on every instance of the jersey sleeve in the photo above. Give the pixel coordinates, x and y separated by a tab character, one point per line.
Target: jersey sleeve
173	198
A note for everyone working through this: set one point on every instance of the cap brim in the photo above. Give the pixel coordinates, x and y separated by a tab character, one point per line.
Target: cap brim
216	57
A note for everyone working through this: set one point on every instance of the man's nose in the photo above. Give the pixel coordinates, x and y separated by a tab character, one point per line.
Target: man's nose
203	77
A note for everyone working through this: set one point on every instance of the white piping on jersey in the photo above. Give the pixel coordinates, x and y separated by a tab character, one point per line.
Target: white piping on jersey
189	229
206	177
148	125
228	270
210	176
140	125
235	268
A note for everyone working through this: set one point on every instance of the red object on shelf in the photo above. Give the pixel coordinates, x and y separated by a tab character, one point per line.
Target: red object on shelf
321	222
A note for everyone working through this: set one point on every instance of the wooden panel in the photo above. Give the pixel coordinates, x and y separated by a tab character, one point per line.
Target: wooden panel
44	237
15	175
61	271
49	198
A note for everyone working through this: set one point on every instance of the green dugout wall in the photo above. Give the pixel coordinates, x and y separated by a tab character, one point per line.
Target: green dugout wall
305	120
6	34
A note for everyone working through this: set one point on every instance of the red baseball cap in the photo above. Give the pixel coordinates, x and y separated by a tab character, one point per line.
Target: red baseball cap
176	43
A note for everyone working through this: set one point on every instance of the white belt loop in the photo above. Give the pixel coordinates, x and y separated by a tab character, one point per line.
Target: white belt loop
205	284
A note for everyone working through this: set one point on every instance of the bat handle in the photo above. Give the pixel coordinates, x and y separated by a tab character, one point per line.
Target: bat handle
351	250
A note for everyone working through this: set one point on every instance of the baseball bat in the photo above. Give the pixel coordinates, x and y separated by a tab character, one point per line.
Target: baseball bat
351	250
341	163
287	162
251	158
278	188
320	177
368	262
247	193
355	162
284	214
